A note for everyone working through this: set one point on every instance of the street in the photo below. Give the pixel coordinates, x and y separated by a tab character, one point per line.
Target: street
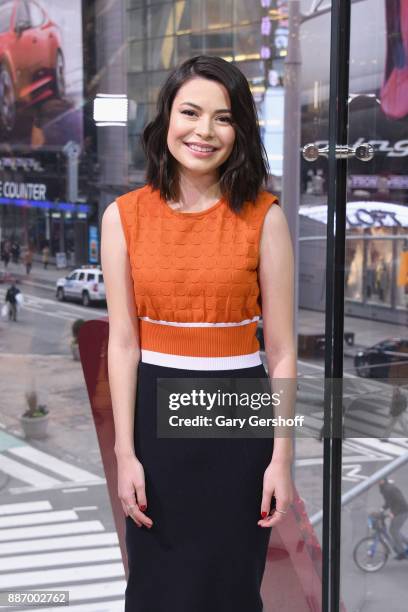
56	524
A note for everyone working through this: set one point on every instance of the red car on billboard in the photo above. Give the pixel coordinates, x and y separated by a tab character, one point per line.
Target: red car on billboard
31	58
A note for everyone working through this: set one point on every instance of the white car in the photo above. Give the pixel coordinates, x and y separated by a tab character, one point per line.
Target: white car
85	284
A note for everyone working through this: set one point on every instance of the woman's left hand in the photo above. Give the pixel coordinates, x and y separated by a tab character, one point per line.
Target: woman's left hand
278	482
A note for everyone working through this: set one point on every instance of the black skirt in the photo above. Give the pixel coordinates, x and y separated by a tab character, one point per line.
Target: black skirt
205	551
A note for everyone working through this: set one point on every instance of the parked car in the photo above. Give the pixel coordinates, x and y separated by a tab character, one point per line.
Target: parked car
84	284
32	66
386	359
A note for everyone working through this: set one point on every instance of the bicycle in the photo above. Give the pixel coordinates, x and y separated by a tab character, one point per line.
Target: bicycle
371	553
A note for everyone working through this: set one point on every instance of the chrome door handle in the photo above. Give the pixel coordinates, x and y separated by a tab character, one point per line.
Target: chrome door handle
363	152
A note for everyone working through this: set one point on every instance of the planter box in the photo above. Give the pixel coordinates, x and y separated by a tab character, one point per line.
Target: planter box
35	427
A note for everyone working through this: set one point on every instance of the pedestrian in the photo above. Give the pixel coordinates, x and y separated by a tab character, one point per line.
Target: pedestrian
11	299
45	256
398	409
6	254
202	240
14	251
398	505
28	259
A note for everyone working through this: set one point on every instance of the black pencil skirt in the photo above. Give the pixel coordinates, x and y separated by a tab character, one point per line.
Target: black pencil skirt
205	551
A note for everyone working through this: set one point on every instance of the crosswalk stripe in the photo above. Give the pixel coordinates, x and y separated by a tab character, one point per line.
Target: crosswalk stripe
23	533
26	474
64	486
387	447
89	555
53	464
35	506
43	544
345	461
95	571
38	517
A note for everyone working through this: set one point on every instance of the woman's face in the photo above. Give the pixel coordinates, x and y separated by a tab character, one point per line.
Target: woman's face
200	135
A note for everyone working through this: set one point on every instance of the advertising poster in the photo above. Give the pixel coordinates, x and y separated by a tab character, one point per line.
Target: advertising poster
93	244
41	90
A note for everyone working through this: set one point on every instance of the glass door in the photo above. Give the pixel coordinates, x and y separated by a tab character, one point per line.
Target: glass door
353	221
375	369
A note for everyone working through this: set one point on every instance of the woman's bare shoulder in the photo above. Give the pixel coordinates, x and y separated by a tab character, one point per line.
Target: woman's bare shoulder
111	213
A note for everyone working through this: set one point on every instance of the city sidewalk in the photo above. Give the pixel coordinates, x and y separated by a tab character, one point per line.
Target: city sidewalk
38	273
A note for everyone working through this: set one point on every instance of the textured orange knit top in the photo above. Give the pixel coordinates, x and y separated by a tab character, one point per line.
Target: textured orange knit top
195	280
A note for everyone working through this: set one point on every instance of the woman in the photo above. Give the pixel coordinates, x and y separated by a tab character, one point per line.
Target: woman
185	259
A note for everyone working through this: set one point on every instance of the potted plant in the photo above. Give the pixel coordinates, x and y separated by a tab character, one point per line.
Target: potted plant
76	326
35	419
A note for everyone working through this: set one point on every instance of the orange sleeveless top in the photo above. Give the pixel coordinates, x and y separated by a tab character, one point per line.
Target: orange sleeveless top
195	280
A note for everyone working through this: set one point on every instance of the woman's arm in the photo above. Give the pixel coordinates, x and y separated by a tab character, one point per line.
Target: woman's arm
276	279
123	346
276	271
123	360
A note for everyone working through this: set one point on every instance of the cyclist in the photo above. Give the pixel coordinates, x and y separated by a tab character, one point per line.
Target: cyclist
398	505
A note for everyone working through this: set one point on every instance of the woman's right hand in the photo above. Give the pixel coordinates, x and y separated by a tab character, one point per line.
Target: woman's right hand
131	489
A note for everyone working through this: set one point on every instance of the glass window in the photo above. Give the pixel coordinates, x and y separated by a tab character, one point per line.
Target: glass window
248	40
378	273
219	42
137	25
354	270
81	276
217	13
73	276
246	12
37	16
101	278
136	56
188	45
160	53
91	276
188	17
5	16
156	80
160	20
137	86
401	290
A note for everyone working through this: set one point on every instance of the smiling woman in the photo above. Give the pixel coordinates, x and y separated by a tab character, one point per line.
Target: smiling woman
182	266
206	102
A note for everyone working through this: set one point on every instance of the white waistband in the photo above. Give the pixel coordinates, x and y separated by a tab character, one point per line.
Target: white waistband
190	324
235	362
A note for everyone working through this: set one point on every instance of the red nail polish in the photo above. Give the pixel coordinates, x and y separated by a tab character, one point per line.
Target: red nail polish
263	514
143	508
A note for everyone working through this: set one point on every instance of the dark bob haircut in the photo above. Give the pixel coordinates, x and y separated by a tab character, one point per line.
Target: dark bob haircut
245	171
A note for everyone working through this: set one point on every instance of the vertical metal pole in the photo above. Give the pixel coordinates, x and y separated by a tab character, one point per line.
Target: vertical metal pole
334	322
72	151
291	144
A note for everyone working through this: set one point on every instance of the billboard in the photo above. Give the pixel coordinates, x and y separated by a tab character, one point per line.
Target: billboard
41	75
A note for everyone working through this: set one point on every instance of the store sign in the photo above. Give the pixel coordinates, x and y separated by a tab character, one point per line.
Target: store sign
27	164
397	149
374	181
23	191
364	214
